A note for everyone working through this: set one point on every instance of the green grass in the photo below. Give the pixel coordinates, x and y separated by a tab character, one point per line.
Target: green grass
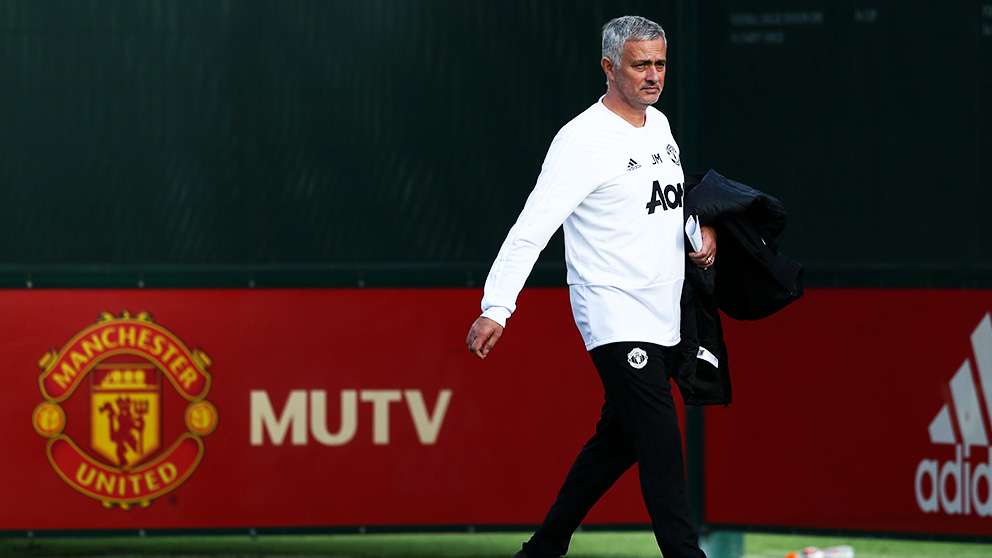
588	544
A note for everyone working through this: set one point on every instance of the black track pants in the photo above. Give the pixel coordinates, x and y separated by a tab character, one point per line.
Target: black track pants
638	424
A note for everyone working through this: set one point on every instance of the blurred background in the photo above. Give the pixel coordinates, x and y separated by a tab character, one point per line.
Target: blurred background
334	143
392	143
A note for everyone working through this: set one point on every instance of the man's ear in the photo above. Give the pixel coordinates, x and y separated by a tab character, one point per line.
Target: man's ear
607	67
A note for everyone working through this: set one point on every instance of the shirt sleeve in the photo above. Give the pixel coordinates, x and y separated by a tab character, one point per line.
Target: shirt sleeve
562	185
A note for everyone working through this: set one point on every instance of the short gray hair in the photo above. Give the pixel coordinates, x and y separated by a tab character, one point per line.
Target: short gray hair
618	31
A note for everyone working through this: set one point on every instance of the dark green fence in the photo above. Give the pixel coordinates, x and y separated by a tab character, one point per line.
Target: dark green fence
236	143
872	121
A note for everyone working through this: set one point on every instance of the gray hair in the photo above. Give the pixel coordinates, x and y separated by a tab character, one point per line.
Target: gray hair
618	31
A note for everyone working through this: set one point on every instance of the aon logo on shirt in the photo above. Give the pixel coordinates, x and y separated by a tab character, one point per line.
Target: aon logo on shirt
669	197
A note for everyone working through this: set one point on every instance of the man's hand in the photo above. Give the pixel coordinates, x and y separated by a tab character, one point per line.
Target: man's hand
707	252
483	336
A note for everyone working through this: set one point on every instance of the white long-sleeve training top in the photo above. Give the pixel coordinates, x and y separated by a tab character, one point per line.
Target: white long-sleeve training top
617	190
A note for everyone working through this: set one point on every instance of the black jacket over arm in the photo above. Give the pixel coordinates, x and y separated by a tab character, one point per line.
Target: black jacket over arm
751	280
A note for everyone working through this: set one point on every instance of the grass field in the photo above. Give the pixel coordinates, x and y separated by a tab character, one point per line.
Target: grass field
596	544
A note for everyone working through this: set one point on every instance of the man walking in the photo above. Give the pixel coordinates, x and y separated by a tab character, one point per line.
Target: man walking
613	179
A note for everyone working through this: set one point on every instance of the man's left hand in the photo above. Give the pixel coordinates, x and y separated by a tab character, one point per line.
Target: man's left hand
706	256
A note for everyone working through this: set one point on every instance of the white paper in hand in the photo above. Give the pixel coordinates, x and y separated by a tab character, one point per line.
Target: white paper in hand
694	233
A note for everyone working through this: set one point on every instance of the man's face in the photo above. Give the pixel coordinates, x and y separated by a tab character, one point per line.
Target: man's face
640	76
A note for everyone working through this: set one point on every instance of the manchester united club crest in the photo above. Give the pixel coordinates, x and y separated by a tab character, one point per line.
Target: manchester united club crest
125	410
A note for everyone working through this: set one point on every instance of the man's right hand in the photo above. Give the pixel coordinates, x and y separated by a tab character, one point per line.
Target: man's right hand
483	336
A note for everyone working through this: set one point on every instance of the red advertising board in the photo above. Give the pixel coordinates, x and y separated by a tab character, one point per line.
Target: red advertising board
189	409
858	410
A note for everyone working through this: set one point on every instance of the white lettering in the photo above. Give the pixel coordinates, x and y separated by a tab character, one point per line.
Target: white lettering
982	471
955	487
951	470
380	399
268	426
263	417
318	418
428	427
927	469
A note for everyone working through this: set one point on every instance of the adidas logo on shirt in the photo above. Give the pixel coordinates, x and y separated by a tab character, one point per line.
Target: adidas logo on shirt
632	165
970	488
